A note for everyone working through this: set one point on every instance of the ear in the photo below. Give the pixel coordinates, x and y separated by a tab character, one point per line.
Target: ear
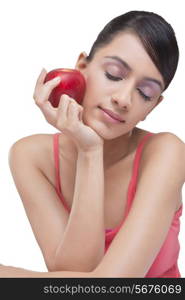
81	63
160	99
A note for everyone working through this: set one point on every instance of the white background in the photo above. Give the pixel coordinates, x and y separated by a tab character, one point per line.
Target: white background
51	34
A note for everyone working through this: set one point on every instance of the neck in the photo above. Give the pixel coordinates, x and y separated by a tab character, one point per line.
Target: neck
118	148
114	150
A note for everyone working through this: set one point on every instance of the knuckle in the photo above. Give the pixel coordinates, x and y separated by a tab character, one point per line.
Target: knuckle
39	103
72	105
60	101
35	96
64	97
64	100
73	101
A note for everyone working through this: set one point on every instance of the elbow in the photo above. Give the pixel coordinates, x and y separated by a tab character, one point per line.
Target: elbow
56	267
76	263
93	271
51	263
50	266
70	265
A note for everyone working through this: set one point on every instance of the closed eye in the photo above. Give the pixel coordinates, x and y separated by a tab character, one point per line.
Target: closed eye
111	77
147	98
114	78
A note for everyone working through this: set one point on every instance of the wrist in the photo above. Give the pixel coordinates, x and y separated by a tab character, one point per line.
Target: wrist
95	150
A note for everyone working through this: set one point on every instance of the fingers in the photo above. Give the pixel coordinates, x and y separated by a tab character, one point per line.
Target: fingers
73	114
41	77
47	88
39	82
43	90
62	111
68	112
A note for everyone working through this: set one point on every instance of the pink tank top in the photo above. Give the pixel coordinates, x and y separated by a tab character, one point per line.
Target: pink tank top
165	264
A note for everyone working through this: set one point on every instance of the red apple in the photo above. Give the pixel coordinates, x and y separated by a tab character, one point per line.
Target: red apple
72	83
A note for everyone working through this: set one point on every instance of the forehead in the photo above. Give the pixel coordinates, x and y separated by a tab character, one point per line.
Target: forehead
128	46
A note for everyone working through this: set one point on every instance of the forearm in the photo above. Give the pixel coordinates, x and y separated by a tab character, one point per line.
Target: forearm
14	272
82	246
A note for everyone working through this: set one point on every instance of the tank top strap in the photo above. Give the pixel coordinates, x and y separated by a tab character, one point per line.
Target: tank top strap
133	181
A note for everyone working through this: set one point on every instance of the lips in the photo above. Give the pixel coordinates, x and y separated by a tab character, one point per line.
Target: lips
113	114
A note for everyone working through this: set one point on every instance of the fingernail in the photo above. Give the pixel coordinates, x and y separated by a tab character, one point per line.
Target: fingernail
56	78
43	70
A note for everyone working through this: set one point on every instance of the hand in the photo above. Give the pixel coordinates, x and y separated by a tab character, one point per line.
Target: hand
67	117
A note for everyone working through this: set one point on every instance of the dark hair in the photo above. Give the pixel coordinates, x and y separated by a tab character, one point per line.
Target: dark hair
156	35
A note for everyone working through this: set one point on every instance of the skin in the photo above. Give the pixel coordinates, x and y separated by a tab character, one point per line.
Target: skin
121	96
119	143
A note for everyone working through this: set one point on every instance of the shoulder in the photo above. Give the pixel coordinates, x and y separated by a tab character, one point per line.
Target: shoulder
33	147
166	149
165	139
33	142
166	143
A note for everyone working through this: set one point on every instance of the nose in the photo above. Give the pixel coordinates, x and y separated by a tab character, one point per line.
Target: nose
123	98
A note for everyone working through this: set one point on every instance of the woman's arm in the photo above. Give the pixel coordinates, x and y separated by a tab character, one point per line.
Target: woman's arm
160	181
133	250
84	239
82	246
139	240
14	272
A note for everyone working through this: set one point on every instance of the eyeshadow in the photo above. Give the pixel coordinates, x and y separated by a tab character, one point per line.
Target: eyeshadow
116	68
151	88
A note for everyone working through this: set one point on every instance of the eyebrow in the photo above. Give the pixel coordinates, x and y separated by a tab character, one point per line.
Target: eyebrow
124	64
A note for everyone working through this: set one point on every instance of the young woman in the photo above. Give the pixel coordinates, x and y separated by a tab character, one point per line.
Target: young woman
103	196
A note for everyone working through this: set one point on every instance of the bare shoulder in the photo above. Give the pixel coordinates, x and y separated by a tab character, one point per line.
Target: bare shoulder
166	148
167	139
36	147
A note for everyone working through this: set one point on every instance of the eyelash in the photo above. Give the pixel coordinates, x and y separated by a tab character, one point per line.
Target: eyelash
110	77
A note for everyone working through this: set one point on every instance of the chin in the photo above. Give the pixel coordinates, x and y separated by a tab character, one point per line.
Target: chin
103	131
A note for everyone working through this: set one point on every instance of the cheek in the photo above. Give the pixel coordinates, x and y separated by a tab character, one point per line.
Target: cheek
92	96
139	110
94	91
95	81
98	89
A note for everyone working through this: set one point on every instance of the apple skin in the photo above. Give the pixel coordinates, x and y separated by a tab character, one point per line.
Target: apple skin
72	83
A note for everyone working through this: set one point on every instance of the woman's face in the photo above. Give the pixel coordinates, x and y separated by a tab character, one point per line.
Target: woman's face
122	78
